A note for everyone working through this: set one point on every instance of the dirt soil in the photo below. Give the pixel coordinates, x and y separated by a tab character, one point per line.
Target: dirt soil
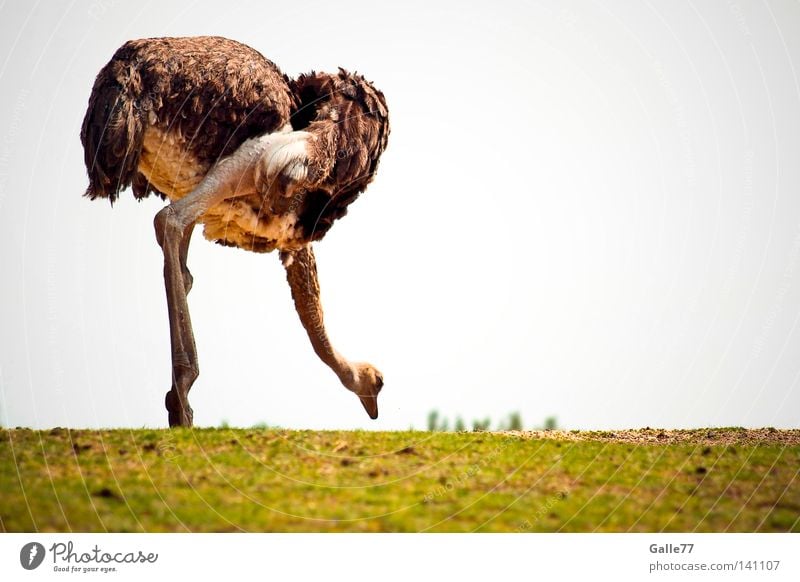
656	436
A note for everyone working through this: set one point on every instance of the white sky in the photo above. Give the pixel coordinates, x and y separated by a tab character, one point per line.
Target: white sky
587	209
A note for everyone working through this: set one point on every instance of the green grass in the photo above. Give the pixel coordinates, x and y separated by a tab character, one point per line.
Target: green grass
281	480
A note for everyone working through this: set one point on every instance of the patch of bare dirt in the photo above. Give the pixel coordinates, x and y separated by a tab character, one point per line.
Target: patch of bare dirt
656	436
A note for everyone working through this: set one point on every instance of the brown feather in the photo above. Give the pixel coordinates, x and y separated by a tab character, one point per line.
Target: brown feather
351	120
213	94
213	91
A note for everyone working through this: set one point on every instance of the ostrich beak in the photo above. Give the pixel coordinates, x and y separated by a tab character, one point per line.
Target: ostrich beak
368	391
370	403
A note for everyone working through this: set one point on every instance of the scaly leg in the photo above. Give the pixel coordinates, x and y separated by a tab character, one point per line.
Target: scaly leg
361	378
188	280
184	352
259	163
174	225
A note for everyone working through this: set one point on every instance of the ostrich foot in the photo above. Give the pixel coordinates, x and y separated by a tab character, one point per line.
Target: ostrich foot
180	413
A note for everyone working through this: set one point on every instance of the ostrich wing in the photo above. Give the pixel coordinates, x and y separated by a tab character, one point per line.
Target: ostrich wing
212	93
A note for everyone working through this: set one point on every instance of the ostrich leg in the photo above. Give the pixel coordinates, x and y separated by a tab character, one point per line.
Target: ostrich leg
174	226
178	283
184	253
361	378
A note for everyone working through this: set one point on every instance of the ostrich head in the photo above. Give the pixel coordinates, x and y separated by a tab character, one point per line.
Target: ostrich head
349	119
366	382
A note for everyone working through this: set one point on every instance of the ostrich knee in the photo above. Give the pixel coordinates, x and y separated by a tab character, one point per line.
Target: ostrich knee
169	229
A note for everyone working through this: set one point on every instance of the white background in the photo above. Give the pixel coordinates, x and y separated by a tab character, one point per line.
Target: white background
587	210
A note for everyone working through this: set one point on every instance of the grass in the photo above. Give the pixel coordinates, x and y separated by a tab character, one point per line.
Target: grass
282	480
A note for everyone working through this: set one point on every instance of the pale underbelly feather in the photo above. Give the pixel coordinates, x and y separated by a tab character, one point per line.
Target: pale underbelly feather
236	222
168	165
172	169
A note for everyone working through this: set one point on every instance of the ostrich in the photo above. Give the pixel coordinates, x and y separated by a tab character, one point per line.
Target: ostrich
263	161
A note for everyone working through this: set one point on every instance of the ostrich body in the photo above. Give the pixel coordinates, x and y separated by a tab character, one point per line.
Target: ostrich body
263	161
